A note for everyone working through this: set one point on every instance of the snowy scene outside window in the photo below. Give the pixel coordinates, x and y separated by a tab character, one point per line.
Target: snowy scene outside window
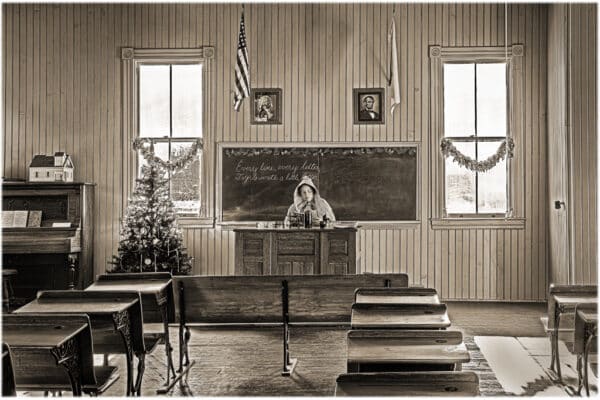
475	117
170	113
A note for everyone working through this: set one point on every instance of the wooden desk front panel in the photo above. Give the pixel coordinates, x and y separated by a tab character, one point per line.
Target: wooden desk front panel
295	252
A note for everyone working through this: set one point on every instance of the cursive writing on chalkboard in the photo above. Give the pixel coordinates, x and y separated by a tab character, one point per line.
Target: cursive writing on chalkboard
361	184
247	172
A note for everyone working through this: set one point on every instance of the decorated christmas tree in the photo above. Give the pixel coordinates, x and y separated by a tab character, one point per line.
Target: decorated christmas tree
150	240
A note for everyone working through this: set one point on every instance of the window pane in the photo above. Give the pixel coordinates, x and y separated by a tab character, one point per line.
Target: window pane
187	100
492	184
185	184
491	99
459	99
460	183
154	100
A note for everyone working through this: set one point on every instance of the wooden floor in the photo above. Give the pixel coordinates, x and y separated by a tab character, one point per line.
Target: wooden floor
247	362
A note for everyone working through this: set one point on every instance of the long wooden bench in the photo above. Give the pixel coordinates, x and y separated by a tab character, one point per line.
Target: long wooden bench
276	300
400	384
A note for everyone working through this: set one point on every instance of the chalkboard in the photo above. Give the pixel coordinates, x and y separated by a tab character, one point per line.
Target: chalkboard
360	184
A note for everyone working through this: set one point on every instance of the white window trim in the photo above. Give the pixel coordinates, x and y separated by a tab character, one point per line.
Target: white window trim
131	58
513	56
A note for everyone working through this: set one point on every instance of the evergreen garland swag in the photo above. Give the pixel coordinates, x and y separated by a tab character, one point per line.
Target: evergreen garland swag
504	150
146	148
150	240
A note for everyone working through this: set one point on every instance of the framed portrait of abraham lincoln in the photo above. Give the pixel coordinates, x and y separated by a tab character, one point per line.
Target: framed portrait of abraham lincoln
368	105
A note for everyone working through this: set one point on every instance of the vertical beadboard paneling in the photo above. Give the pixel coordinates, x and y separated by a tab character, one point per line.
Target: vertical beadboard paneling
572	143
583	135
62	91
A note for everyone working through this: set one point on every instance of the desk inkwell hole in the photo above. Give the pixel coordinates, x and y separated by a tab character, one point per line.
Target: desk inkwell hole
440	341
58	327
451	389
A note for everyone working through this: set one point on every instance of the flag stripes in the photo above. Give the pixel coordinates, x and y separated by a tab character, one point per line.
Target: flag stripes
242	69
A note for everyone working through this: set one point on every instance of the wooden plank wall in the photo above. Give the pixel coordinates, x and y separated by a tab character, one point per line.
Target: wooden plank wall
62	85
573	105
558	157
584	141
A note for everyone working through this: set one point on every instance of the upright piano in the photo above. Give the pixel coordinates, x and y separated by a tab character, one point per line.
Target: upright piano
48	257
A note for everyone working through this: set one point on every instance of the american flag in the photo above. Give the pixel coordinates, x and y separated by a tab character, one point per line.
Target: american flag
242	69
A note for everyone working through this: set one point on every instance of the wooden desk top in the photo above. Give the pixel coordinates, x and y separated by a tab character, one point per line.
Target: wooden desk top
406	346
77	305
49	336
573	299
97	305
428	384
408	295
142	286
397	299
589	317
406	316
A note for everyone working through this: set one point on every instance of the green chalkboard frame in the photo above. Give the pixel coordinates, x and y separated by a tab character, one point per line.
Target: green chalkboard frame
220	146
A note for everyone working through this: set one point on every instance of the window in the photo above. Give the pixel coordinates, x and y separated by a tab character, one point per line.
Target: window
475	115
170	114
476	102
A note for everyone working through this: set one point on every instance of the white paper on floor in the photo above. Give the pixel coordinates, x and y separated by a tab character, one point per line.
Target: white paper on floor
515	369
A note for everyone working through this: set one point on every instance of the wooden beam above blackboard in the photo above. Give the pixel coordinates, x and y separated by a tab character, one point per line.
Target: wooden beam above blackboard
366	182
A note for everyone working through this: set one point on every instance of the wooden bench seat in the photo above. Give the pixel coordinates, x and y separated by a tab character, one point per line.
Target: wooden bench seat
329	298
423	384
398	350
400	316
394	295
270	299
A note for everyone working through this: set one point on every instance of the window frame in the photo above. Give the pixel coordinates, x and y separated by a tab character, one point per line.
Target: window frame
512	56
131	60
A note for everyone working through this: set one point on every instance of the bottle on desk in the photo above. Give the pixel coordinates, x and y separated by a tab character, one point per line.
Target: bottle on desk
324	222
307	219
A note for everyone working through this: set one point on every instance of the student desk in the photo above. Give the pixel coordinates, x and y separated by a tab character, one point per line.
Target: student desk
8	376
156	290
403	316
563	304
409	295
116	320
586	332
44	347
391	350
423	384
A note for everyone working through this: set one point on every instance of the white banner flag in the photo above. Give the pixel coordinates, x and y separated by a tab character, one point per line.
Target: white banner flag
394	79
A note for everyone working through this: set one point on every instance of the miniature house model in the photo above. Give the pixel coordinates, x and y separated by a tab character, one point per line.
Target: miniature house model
57	168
